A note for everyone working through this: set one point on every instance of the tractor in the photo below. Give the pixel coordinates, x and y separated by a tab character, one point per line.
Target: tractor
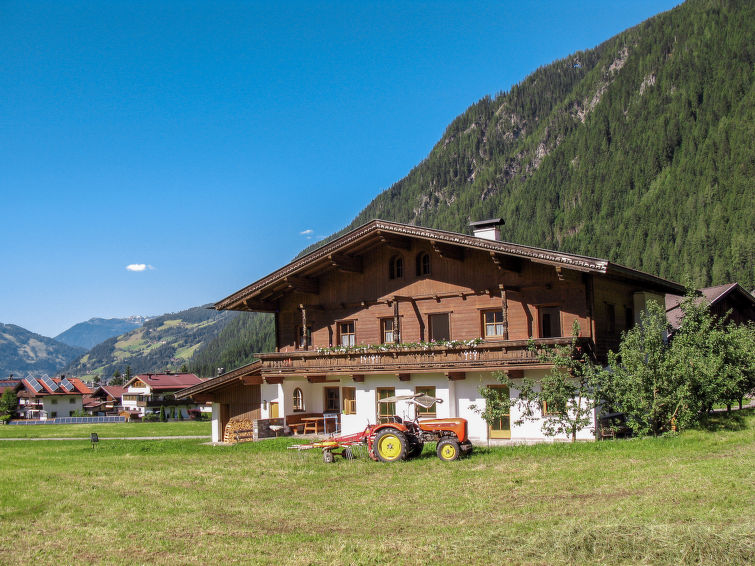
400	439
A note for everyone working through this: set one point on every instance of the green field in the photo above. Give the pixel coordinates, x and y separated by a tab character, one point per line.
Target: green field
682	500
108	430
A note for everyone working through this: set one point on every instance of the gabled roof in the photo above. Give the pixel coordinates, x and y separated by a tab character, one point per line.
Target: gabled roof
167	381
79	387
8	384
379	232
712	295
114	391
221	380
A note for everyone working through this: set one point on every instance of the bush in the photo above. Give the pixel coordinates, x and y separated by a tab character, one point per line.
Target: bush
150	418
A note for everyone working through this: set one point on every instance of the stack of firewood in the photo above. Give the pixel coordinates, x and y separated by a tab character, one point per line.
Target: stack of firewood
239	430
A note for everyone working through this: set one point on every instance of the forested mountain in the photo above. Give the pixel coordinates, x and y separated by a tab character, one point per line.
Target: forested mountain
23	352
235	344
165	342
95	330
638	151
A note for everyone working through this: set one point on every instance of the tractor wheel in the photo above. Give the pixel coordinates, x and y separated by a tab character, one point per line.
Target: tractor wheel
327	457
390	445
448	450
415	449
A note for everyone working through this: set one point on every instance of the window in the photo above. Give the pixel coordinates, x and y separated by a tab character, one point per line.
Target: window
440	327
548	411
429	411
347	336
628	318
385	411
300	337
550	322
349	400
332	401
492	323
386	331
611	317
423	264
396	267
54	401
54	414
298	400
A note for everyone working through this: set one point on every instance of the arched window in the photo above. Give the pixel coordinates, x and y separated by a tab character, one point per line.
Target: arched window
423	263
298	400
396	267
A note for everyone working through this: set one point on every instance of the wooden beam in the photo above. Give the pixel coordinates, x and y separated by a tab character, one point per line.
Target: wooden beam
447	251
274	379
202	398
404	376
316	378
505	311
259	305
306	285
358	378
504	262
396	242
345	262
456	375
251	380
515	373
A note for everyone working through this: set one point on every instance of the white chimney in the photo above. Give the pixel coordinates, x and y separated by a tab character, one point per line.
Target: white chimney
487	229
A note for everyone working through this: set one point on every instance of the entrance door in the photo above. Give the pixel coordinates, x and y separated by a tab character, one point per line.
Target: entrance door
501	428
273	409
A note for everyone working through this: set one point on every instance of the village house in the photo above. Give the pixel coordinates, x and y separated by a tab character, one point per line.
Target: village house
104	400
48	398
729	301
147	392
392	309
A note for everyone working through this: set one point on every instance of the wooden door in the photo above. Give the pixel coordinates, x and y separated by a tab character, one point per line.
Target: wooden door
501	428
274	409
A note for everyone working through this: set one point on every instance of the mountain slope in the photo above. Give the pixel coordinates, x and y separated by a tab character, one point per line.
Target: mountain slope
95	330
638	151
23	352
165	342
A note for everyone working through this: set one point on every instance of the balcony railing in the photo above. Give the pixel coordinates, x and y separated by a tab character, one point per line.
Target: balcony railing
486	355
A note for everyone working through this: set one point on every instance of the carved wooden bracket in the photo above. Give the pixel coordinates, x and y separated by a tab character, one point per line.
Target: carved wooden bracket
396	242
306	285
316	378
456	375
448	252
358	378
274	379
345	262
404	376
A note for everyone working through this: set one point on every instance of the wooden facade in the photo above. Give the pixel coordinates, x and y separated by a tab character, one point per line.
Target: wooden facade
396	302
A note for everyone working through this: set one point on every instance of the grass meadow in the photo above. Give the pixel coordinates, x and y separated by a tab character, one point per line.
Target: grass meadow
108	430
681	500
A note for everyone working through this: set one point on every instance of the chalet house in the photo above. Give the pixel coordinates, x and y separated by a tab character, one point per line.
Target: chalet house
105	400
47	397
730	301
392	309
147	392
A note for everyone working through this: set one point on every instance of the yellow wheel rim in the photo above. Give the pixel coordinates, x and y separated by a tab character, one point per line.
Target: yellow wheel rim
448	452
389	447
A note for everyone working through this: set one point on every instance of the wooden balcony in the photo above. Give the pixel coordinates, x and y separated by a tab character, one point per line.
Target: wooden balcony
491	355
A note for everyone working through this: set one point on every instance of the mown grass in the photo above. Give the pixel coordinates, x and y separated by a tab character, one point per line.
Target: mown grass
108	430
681	500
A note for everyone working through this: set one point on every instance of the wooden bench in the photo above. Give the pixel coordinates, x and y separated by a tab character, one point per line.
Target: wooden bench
295	423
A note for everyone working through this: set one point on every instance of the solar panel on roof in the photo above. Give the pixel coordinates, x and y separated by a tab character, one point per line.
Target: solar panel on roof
50	383
34	384
67	385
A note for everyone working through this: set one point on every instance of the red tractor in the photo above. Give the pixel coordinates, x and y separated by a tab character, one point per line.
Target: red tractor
400	439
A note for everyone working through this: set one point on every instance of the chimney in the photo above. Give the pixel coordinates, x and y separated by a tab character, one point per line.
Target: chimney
487	229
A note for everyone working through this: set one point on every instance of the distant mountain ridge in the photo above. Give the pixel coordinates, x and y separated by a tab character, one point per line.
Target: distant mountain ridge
162	343
23	352
95	330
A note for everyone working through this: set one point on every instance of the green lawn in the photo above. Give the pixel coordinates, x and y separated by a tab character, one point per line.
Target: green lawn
683	500
109	430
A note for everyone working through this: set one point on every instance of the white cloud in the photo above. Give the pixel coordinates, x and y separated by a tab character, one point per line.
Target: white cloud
307	232
138	267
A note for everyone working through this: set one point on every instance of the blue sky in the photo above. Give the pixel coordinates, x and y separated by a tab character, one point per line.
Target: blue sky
209	142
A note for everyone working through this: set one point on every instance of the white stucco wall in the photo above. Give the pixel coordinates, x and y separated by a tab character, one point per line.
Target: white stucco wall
62	405
216	436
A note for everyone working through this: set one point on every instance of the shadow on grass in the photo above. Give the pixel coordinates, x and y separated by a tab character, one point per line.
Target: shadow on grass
721	421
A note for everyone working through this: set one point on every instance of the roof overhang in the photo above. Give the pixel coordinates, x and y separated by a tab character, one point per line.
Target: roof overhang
220	381
343	253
